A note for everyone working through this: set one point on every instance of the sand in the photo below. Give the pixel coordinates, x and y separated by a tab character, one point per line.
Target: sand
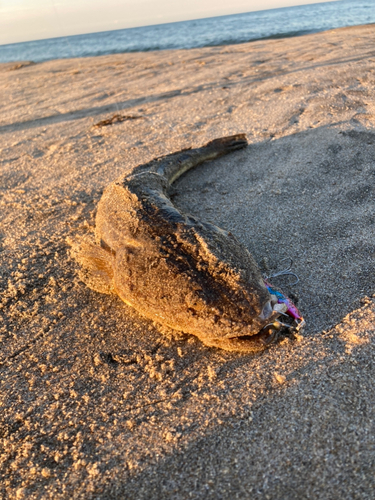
98	402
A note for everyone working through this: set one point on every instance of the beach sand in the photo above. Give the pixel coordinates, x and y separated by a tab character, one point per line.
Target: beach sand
98	402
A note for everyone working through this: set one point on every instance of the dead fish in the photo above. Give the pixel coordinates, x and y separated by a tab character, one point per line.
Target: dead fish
172	268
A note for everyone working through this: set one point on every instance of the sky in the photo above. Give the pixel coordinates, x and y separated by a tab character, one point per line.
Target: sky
23	20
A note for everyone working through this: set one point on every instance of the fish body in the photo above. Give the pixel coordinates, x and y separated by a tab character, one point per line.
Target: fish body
172	268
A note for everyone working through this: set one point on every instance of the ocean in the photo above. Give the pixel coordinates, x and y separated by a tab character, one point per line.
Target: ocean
208	32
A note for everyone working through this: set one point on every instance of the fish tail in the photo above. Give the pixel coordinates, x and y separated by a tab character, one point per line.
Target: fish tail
171	167
228	144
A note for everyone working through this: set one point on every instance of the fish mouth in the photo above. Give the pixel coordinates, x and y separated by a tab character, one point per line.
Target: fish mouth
270	329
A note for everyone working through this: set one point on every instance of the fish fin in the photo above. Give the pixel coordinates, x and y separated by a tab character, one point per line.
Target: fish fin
96	269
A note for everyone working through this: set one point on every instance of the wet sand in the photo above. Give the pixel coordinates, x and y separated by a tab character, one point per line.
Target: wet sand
98	402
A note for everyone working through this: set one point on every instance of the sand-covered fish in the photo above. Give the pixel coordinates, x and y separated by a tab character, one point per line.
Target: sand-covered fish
171	267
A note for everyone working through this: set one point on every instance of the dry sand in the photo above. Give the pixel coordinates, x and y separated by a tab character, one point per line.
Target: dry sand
97	402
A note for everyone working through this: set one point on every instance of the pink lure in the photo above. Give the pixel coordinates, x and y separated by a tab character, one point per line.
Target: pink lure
282	299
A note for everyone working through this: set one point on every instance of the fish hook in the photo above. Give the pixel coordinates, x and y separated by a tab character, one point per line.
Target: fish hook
285	272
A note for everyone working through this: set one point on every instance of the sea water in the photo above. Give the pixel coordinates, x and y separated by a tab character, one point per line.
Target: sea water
223	30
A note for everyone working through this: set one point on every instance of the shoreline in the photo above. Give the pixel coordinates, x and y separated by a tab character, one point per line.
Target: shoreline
276	36
96	401
245	27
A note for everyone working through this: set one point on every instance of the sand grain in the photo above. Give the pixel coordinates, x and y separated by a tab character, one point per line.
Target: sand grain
97	402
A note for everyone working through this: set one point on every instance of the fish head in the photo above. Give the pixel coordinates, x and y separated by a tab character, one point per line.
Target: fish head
199	281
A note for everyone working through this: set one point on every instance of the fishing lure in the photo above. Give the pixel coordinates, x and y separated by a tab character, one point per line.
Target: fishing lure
284	306
290	309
